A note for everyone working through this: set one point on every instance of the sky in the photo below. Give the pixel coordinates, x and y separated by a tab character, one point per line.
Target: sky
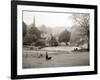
49	19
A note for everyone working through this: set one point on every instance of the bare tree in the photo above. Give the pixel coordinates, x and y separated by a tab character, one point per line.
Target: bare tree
83	21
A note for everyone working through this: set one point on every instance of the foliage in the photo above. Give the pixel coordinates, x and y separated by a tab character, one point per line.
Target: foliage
34	31
64	36
29	38
24	29
33	34
75	35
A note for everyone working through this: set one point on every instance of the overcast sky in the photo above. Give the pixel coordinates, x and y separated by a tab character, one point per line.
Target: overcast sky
48	18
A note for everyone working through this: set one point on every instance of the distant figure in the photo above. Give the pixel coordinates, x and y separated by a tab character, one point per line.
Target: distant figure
47	57
39	55
75	49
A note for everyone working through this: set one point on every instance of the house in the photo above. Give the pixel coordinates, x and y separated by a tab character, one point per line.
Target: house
46	37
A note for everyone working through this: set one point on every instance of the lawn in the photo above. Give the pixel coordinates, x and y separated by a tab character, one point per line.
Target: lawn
61	57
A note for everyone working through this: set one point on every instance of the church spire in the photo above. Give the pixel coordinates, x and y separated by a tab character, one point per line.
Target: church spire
34	22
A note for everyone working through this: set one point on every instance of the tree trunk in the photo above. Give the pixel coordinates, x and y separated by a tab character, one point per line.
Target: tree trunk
88	46
88	41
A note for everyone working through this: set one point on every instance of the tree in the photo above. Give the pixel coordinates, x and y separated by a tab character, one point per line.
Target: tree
82	20
34	31
53	41
29	38
75	35
64	36
33	34
24	29
43	28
